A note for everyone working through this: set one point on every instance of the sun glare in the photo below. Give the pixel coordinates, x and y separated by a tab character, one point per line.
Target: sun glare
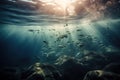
63	3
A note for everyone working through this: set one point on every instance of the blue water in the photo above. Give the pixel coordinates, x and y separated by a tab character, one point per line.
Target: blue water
27	36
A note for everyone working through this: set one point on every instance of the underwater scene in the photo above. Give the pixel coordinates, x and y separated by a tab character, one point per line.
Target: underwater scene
59	39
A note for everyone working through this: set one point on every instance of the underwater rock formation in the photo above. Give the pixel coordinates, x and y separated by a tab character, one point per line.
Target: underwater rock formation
93	60
110	72
113	67
88	66
101	75
10	73
70	68
40	71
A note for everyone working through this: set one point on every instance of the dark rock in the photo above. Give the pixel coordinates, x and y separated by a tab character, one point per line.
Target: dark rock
10	73
113	67
71	69
110	72
101	75
93	60
42	72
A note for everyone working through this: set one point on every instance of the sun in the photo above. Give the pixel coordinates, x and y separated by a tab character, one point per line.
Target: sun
66	6
64	3
61	3
57	7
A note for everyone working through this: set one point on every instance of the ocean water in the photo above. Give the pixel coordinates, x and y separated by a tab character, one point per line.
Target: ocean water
29	35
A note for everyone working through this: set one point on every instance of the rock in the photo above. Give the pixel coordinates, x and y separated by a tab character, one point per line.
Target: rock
93	60
40	71
113	67
101	75
10	73
110	72
71	68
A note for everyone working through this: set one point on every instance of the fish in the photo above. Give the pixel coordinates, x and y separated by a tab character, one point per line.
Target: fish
31	30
